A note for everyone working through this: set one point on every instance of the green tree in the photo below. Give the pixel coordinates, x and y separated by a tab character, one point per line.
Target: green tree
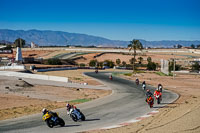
123	63
171	66
179	46
109	63
140	60
135	44
100	64
193	46
151	66
196	66
132	60
54	61
149	59
118	61
82	65
20	42
93	63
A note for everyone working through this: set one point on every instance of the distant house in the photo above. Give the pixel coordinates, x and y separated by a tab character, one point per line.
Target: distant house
186	47
33	45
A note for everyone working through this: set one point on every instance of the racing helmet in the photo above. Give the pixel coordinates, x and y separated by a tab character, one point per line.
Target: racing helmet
67	105
44	110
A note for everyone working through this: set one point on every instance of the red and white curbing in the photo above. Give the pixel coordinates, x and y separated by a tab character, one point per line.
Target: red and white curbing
132	121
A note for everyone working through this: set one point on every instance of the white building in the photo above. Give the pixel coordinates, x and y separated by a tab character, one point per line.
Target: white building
33	45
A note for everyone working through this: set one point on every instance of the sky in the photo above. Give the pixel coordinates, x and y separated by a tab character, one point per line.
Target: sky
152	20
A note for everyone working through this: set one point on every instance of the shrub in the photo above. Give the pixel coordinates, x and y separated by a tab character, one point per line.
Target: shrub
151	66
54	61
149	59
196	66
109	63
171	67
93	63
82	65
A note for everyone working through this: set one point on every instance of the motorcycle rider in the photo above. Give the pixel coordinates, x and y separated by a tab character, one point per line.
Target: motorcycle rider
157	92
137	81
148	93
144	85
160	87
70	108
111	77
96	70
44	111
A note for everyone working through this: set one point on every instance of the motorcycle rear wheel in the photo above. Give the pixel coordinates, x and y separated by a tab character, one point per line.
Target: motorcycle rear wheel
61	122
82	116
158	101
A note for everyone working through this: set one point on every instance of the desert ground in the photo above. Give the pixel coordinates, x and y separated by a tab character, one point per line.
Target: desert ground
18	97
180	116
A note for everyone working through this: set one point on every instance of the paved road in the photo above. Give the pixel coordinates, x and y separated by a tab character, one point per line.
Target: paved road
125	103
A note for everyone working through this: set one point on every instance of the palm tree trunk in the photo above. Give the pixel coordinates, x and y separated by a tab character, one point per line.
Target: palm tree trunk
134	60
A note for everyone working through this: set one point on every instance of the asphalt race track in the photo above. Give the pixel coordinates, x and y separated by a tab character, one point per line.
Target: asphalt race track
125	103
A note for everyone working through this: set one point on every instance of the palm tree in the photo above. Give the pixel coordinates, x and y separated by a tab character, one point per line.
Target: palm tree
135	44
140	59
20	42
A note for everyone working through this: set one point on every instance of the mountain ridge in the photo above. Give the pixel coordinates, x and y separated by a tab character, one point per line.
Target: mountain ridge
61	38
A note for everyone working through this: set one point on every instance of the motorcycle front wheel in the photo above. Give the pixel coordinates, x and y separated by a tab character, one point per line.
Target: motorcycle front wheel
50	123
74	118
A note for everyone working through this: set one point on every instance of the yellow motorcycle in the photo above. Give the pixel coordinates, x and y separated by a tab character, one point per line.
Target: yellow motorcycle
52	119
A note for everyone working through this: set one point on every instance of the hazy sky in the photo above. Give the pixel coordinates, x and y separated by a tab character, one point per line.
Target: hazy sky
113	19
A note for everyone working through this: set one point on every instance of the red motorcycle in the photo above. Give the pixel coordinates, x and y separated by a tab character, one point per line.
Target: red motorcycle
158	96
150	101
110	77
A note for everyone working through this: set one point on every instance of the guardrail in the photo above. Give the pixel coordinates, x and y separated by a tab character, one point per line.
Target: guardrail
33	76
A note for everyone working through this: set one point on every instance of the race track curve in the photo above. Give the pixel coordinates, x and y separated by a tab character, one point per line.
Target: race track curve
125	103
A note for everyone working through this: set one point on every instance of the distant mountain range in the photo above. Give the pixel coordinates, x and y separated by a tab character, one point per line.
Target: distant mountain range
59	38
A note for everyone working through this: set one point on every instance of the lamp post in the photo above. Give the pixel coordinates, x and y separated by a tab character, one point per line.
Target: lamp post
174	66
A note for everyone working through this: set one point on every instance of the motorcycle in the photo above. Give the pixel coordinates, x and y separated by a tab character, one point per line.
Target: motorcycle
76	115
110	77
137	82
158	98
53	120
150	101
96	71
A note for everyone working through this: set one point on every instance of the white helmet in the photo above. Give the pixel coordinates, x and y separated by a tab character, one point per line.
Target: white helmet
44	110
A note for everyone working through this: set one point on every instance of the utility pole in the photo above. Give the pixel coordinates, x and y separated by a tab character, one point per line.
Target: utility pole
174	69
174	66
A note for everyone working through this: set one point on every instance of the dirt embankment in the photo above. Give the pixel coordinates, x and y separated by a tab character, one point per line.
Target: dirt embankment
180	116
18	98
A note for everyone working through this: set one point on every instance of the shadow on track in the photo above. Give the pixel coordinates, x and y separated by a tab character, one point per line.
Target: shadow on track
92	119
158	107
67	126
